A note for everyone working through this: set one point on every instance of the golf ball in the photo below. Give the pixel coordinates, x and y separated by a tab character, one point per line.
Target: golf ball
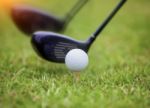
76	60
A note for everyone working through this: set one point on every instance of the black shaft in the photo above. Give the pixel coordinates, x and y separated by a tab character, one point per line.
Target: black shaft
103	25
74	10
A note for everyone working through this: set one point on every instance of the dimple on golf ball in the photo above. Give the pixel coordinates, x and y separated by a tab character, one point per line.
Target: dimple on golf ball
76	60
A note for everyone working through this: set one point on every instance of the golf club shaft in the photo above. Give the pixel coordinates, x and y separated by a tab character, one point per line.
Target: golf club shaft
74	10
108	19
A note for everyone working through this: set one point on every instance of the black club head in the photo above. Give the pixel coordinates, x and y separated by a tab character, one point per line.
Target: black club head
54	47
30	20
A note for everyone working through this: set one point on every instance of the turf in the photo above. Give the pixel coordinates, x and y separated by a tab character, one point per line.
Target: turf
118	75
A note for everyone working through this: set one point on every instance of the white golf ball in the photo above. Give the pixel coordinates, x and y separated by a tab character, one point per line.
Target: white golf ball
76	60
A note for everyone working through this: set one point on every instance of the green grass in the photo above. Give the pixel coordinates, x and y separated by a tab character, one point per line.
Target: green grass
118	75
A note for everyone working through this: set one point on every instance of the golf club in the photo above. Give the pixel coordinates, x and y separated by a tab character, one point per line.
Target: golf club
54	47
30	20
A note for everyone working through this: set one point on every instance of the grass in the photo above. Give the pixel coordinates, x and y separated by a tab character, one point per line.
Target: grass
118	75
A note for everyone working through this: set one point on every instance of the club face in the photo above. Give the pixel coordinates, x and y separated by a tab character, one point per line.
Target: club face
54	47
29	20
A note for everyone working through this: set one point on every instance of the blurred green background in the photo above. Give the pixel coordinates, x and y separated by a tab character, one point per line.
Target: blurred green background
118	74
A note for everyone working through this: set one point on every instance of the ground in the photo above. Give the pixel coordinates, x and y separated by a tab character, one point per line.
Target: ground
118	75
